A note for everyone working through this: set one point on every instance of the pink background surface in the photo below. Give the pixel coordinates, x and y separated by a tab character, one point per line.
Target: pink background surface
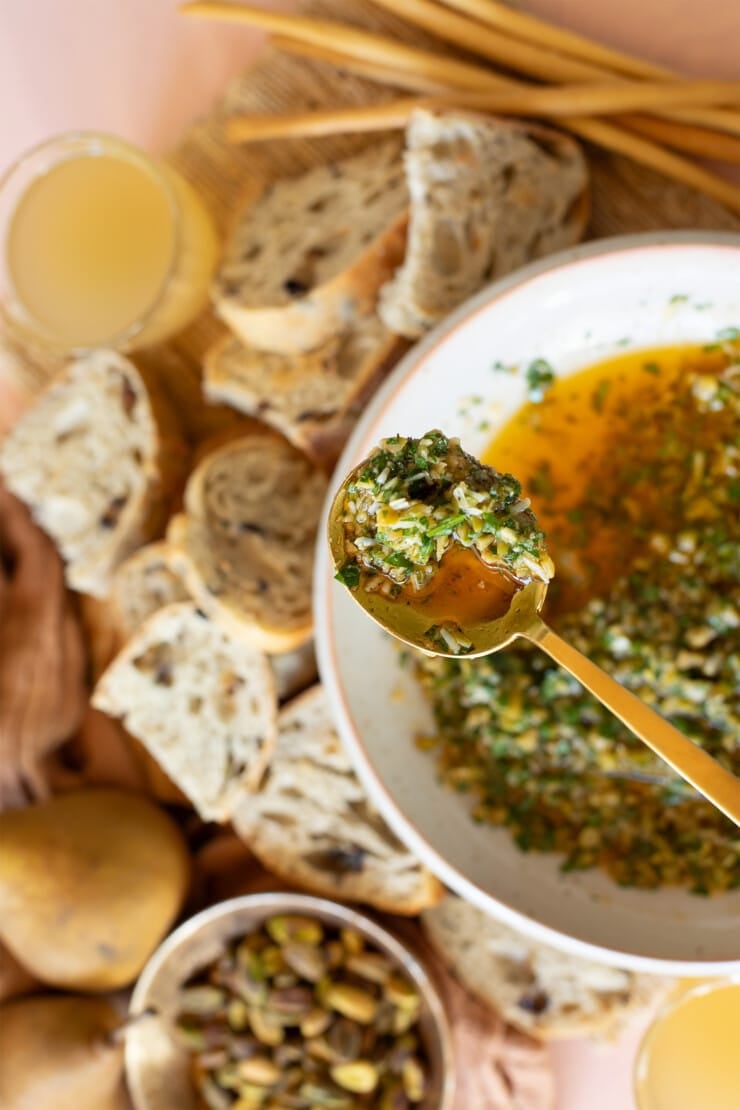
134	68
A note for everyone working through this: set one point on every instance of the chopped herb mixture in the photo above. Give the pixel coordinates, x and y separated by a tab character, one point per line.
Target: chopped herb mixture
541	756
414	499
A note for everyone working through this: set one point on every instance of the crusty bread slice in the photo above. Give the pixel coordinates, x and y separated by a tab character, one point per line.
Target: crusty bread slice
147	582
540	990
314	250
96	459
314	398
144	583
487	195
312	823
244	545
202	703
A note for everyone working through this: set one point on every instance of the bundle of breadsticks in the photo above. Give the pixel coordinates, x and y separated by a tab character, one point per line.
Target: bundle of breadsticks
605	97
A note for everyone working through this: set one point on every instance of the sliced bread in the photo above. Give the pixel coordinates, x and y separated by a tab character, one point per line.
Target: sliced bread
244	545
144	583
312	823
313	398
487	195
202	703
539	989
96	459
314	250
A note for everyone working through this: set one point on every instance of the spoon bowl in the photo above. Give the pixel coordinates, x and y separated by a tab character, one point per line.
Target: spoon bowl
410	625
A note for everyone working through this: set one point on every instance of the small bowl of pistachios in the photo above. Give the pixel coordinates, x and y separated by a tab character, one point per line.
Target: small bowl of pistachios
277	1001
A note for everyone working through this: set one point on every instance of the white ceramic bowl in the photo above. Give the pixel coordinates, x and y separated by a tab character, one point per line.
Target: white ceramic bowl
573	309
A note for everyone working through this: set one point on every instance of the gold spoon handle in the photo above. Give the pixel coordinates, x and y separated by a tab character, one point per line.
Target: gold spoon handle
693	764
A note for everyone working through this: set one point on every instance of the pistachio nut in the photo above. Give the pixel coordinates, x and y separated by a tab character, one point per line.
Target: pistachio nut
352	1002
371	966
352	941
266	1030
306	960
286	927
360	1077
316	1022
412	1077
260	1071
303	1016
204	1000
237	1015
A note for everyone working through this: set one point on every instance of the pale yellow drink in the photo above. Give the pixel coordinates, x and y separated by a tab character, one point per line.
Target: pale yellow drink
103	247
690	1057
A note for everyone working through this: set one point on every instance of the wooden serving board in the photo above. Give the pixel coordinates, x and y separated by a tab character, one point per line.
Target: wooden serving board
626	197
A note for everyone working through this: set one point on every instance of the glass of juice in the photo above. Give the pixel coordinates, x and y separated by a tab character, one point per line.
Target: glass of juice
689	1058
101	246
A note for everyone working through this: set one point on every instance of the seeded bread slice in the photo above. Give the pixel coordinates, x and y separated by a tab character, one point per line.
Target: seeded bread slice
143	584
146	582
487	196
314	250
538	989
96	459
202	703
314	398
312	823
244	545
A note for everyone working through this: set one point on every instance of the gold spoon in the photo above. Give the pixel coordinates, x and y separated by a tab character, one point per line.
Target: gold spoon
523	620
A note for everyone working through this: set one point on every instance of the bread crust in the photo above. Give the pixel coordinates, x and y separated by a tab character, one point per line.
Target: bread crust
545	993
310	321
253	574
488	195
313	399
331	841
182	721
64	428
145	582
342	238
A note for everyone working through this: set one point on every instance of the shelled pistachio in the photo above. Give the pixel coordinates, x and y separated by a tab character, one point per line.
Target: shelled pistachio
302	1015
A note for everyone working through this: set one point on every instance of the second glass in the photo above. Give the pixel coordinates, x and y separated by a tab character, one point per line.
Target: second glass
689	1058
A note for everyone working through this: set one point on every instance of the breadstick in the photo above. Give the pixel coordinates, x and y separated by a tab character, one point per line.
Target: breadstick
537	31
330	121
364	47
694	140
489	43
640	150
530	60
650	154
371	71
534	30
587	100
